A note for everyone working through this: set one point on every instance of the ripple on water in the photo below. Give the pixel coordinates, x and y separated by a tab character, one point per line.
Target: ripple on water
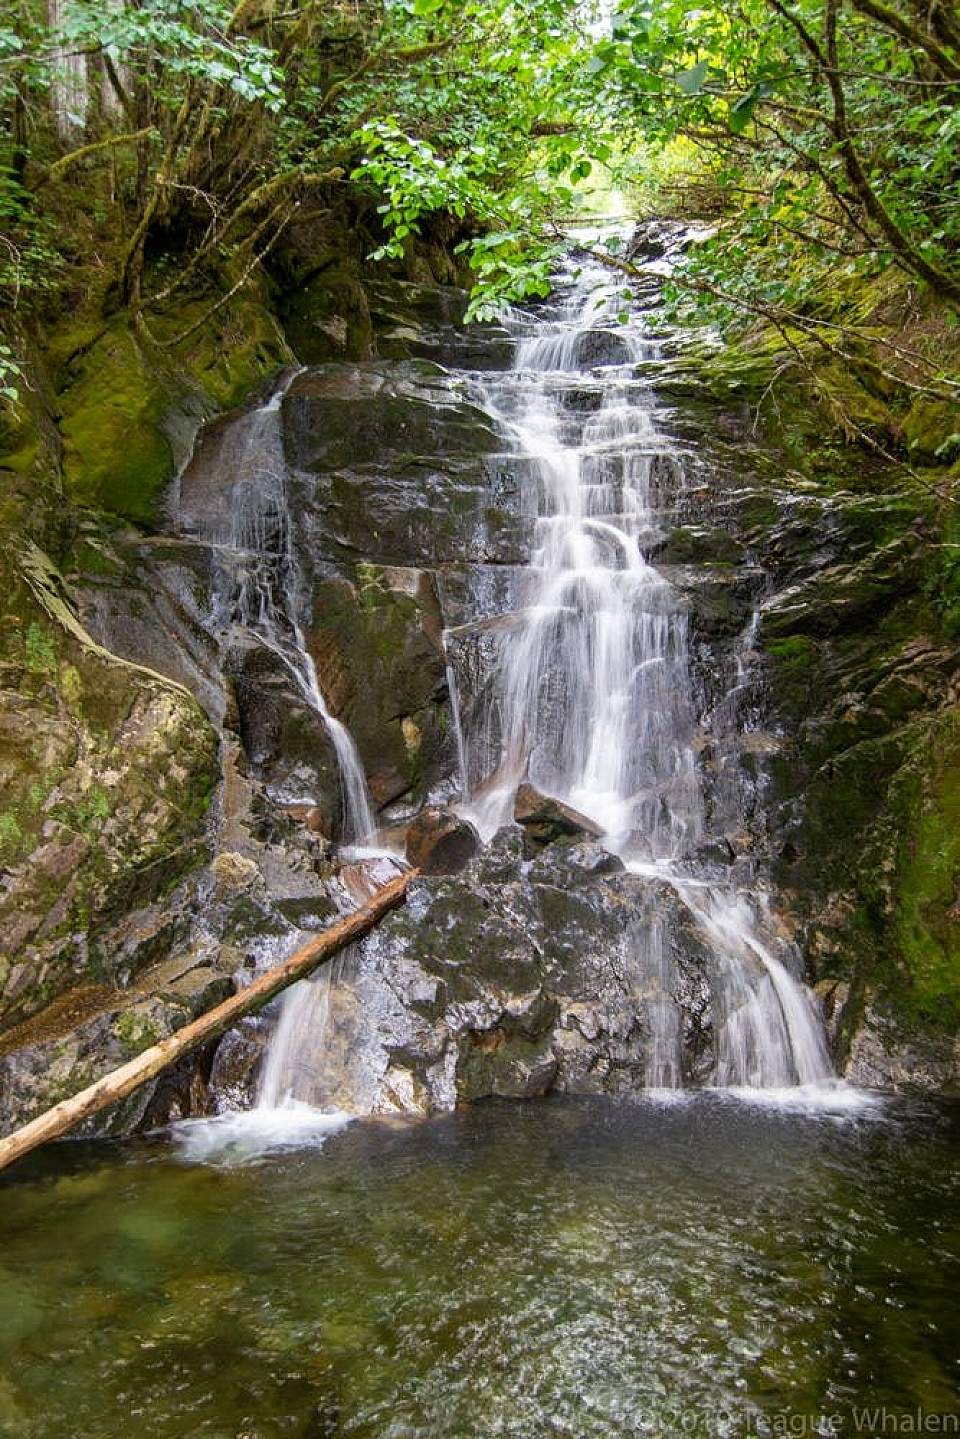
576	1268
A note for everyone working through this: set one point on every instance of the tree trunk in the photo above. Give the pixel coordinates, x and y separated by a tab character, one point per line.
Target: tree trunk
69	84
121	1082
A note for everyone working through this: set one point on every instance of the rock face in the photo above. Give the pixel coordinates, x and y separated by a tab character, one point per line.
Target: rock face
107	773
142	728
513	978
171	793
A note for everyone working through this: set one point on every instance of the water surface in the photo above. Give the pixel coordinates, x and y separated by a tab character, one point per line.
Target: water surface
687	1265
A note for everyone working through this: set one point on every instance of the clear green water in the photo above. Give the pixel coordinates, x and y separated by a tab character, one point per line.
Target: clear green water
564	1268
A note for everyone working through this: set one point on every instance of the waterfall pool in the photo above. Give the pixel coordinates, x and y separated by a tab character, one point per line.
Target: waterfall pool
697	1266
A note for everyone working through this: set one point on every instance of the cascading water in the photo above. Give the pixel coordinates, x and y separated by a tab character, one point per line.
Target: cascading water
266	583
593	699
581	681
261	594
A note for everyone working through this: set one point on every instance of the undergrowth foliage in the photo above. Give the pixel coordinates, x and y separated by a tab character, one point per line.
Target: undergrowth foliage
176	143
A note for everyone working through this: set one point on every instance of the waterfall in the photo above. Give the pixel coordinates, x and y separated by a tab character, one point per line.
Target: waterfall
584	685
292	1071
263	595
266	597
593	698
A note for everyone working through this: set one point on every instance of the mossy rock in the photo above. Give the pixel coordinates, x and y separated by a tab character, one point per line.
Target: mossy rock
924	977
115	456
328	317
932	430
129	411
376	646
106	773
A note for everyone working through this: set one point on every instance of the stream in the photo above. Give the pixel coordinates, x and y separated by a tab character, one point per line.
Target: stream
698	1228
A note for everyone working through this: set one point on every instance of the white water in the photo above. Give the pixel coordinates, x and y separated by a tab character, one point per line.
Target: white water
593	697
267	599
244	1135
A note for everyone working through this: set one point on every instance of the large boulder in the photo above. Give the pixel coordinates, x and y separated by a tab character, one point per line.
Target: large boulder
514	976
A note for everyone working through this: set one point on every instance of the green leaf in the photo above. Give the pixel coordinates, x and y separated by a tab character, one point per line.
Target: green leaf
691	81
742	112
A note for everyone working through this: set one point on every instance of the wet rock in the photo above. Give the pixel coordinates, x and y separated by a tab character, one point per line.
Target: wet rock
517	976
546	819
656	238
284	738
883	1056
440	841
327	316
602	347
347	415
512	1060
376	647
236	1066
427	322
312	817
386	784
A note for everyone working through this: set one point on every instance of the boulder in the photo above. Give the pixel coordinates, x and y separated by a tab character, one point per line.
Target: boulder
546	819
440	841
520	976
284	739
376	647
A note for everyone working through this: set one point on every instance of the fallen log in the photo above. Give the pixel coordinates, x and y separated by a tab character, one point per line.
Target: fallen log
120	1082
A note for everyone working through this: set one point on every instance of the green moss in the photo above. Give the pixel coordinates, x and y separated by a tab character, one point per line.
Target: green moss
234	351
759	511
925	984
40	655
36	795
943	586
796	661
114	456
135	1032
930	428
92	808
11	836
117	398
89	557
796	650
71	685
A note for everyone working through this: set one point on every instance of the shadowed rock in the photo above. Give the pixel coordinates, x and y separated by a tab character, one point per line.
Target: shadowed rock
546	819
441	842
